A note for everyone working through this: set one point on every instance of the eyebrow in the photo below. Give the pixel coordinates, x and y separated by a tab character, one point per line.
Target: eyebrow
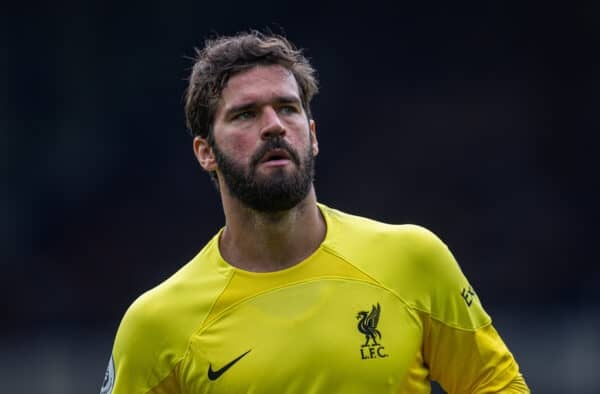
253	104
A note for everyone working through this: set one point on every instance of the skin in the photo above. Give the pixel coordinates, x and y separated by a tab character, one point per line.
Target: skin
255	105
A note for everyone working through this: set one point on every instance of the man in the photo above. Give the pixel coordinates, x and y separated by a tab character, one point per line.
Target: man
292	296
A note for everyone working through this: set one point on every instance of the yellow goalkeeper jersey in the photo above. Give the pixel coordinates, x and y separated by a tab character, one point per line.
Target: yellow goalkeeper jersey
377	308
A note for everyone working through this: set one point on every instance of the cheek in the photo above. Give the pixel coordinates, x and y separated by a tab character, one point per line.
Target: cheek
299	132
239	147
305	140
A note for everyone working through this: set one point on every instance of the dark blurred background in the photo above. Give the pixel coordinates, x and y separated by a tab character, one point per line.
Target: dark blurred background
479	122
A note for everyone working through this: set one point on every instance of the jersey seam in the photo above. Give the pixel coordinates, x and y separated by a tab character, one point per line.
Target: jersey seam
289	284
171	371
451	325
338	255
202	324
379	283
189	339
325	248
408	304
509	371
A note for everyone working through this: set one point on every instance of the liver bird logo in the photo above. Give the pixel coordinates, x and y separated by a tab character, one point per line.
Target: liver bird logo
368	324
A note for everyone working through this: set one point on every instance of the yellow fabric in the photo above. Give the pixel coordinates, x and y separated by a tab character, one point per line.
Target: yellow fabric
245	284
468	361
376	308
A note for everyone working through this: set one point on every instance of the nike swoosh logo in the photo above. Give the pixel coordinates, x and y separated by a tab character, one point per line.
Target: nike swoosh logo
214	375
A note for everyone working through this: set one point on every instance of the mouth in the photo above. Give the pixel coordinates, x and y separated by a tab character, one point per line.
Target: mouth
276	156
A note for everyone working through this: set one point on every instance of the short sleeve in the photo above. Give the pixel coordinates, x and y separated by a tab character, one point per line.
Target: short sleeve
462	350
141	357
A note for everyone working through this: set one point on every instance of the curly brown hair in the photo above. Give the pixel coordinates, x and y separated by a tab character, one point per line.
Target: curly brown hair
226	56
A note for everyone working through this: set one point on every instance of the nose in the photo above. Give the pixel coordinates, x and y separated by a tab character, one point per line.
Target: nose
272	125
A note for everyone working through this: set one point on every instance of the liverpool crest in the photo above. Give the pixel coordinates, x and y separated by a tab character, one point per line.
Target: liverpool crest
367	325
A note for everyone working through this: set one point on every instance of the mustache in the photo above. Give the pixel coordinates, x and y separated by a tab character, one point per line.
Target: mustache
274	143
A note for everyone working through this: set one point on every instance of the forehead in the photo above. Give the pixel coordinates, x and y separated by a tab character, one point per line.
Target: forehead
258	84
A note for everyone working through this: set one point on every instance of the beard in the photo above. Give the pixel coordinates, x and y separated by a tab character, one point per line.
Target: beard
278	192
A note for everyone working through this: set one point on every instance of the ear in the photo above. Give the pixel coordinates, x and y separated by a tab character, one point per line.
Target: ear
204	154
313	137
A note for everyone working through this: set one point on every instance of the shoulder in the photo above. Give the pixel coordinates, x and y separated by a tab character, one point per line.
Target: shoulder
155	330
352	234
411	261
193	287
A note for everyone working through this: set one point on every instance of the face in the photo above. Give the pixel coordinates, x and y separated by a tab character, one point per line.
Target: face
264	145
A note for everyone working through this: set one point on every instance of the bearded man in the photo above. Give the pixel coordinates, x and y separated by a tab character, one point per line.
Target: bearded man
292	296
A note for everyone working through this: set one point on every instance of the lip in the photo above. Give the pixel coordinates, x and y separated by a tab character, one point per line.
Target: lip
276	157
275	163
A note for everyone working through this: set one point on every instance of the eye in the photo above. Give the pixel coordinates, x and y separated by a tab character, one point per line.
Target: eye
288	109
244	115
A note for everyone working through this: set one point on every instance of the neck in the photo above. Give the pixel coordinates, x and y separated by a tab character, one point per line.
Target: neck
264	242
